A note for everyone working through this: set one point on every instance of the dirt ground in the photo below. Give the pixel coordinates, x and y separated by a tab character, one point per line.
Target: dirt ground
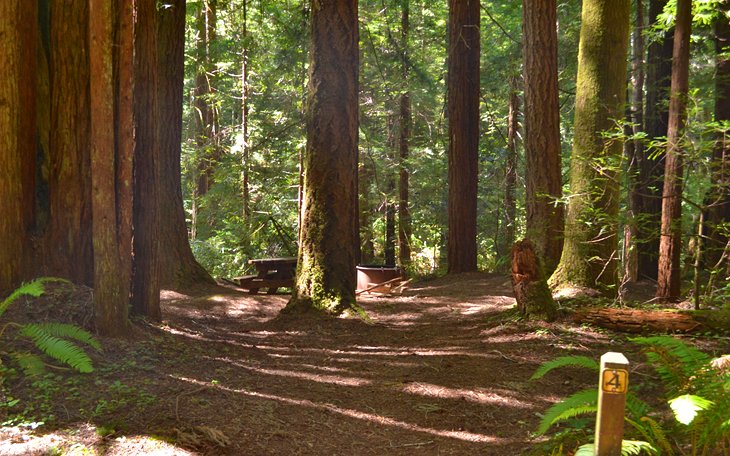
442	369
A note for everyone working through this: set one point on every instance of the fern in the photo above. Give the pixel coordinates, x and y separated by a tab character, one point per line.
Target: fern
564	361
30	364
60	349
676	362
652	432
580	403
71	332
628	448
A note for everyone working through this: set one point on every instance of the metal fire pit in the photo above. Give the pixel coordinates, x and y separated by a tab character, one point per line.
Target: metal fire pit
369	275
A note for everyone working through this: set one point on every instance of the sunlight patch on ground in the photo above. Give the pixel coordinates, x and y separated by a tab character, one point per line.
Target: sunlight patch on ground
478	395
356	414
319	378
172	295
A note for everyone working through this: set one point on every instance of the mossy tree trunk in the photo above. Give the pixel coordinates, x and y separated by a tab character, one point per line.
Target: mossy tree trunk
178	267
542	130
325	278
589	256
463	113
670	244
529	283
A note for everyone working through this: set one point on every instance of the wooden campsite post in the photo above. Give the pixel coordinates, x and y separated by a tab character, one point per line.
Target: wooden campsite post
612	388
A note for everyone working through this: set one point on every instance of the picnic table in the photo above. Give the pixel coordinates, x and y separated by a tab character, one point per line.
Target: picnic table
271	273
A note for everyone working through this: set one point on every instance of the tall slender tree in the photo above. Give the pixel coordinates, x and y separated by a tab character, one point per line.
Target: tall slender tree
670	244
589	251
328	247
650	162
404	213
542	131
463	111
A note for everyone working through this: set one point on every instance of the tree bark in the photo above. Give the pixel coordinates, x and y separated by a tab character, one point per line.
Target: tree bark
365	175
542	130
69	241
463	114
146	277
510	172
404	213
11	156
111	291
532	293
589	256
670	244
651	162
178	267
328	249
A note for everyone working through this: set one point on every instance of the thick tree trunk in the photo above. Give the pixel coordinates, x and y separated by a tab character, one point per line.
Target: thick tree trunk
463	113
404	213
11	155
589	256
529	283
651	162
328	249
670	244
146	279
111	291
542	130
719	196
69	241
178	267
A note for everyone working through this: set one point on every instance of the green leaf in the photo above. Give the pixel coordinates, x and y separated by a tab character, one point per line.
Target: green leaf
59	349
565	361
71	332
628	448
31	364
588	449
686	407
580	403
34	289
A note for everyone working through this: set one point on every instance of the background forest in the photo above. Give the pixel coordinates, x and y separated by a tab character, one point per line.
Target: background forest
246	69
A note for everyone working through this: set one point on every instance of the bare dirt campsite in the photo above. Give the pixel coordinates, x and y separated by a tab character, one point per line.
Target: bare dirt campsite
442	369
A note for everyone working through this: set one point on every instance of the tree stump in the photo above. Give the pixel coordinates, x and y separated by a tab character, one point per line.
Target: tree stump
534	299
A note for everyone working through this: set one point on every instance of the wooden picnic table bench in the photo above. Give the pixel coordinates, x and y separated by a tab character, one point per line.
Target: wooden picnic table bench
271	273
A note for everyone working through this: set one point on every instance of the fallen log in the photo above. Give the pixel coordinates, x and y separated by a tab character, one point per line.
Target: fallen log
655	321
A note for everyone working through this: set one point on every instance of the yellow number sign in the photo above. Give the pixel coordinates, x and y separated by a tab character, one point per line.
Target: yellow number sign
615	381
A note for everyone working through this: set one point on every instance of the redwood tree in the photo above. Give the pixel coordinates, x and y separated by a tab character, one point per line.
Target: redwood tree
11	157
542	131
328	247
589	250
463	112
404	214
670	243
178	267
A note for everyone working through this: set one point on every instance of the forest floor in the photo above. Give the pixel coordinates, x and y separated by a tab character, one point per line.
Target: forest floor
442	369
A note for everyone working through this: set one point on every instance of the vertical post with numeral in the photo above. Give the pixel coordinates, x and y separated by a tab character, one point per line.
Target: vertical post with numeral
612	388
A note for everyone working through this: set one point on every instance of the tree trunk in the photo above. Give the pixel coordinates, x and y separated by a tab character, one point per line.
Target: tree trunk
463	114
111	291
532	293
328	249
389	206
543	173
245	150
178	267
635	149
719	211
11	139
510	173
404	213
146	279
365	210
651	162
589	254
670	244
69	241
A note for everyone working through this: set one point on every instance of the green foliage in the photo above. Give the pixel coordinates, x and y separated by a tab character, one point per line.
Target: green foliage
564	361
628	448
49	338
581	403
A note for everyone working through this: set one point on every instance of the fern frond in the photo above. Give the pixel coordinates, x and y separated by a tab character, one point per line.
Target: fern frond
565	361
628	448
31	364
676	362
686	407
580	403
68	331
588	449
59	349
657	435
635	406
34	288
